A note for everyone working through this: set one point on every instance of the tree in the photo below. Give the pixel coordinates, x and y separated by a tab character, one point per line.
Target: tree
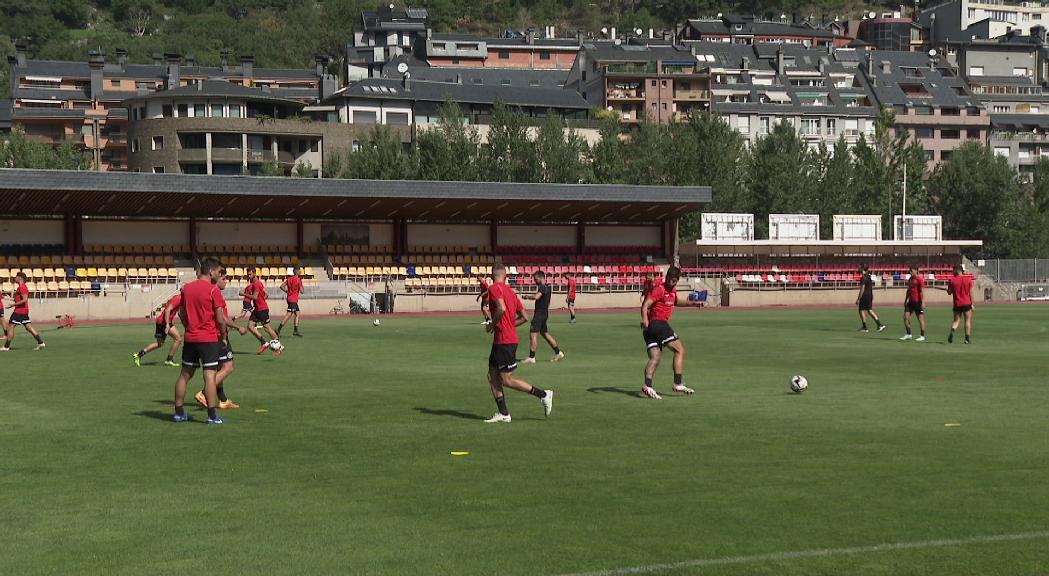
303	170
708	152
978	195
451	150
271	168
561	152
646	154
783	177
18	151
510	155
135	15
382	157
899	155
835	191
608	157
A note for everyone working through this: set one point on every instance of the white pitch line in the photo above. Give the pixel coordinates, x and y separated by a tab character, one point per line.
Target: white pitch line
819	553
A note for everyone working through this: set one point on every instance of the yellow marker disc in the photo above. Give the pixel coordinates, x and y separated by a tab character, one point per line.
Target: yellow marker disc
458	453
261	410
952	425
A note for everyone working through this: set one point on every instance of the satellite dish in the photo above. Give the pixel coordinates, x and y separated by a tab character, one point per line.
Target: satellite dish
871	15
932	53
638	31
807	43
604	31
402	67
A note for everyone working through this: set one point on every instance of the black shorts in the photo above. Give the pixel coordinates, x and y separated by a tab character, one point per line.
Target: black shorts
20	319
503	357
485	305
957	310
571	301
161	332
248	307
539	324
293	307
260	317
867	304
914	307
225	354
659	333
201	355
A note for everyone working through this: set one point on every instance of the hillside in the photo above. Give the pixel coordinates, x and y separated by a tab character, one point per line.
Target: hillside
287	33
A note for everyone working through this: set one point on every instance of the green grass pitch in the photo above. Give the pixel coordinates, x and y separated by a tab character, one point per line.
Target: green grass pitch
349	471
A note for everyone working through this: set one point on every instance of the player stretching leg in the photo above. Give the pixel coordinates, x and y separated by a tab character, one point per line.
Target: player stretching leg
202	314
225	358
913	303
960	288
507	314
483	299
655	321
570	299
20	314
539	320
292	287
260	315
163	328
3	321
865	300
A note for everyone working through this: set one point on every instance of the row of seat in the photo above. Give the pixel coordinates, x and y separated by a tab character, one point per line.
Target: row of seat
111	274
829	278
733	270
67	261
56	288
270	273
469	285
411	271
242	260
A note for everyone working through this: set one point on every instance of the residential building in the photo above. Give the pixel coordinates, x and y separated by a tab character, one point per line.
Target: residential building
893	31
986	19
662	83
521	52
930	101
5	117
476	76
57	100
219	127
736	29
821	93
383	35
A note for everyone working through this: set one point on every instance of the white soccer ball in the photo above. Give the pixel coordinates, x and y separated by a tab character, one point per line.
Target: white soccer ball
798	384
375	322
275	345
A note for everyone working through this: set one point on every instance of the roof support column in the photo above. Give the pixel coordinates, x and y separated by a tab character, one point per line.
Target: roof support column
580	238
72	237
670	242
193	236
493	236
300	248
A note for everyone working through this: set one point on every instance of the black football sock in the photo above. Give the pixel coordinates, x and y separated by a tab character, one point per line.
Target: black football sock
221	394
557	350
212	414
179	411
500	403
39	340
677	379
864	326
261	339
648	382
908	330
279	328
538	392
171	358
531	353
142	353
923	333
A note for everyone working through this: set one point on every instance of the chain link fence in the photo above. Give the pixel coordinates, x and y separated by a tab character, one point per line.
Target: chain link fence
1027	270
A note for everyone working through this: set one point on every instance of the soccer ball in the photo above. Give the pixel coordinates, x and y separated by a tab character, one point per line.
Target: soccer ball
375	322
798	384
275	345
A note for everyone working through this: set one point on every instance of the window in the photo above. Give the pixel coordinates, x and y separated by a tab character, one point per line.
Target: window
356	145
945	155
950	134
1000	109
1035	109
653	83
663	84
975	70
544	55
664	106
234	111
397	118
183	110
832	126
972	13
315	146
923	110
743	124
363	117
504	55
930	155
810	126
199	110
923	132
1001	151
764	123
302	147
216	111
972	111
114	83
158	142
973	133
134	145
1020	72
165	110
949	112
158	169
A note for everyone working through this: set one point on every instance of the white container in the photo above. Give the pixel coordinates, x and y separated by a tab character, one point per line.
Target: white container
918	228
857	227
728	227
794	227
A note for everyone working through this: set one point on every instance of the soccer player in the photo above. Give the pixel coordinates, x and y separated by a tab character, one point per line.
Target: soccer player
865	300
225	357
655	322
913	304
292	286
570	299
20	314
203	316
3	321
507	314
483	299
543	293
260	314
960	288
164	327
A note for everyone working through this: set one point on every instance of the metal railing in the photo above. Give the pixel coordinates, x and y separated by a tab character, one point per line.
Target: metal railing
1020	270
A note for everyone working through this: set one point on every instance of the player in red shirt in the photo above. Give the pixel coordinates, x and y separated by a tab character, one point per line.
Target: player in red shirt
292	286
913	304
655	321
570	299
507	314
164	327
483	299
20	314
260	314
225	357
203	316
960	287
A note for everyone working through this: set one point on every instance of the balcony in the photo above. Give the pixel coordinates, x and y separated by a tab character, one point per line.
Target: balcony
692	95
261	156
226	155
196	155
620	94
631	68
116	139
1019	136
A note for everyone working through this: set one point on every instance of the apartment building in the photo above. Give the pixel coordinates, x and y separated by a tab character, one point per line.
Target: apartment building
891	31
529	51
821	93
475	76
5	117
663	83
738	29
383	35
224	128
57	100
982	19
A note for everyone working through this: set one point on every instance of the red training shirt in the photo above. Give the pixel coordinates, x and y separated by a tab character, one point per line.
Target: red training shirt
22	293
259	290
961	288
171	307
505	330
294	289
915	288
571	288
648	287
200	298
663	302
484	290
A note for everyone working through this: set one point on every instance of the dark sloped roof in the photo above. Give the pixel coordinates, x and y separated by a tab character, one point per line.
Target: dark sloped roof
605	52
1020	122
886	86
390	89
521	77
216	89
167	195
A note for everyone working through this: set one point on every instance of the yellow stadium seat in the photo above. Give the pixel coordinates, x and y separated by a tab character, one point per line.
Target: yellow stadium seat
8	287
153	273
5	274
52	286
63	286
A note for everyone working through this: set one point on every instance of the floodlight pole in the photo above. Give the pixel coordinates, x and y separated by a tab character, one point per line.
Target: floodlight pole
903	218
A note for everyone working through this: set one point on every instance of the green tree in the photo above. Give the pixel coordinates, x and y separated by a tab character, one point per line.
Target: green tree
783	177
608	157
271	168
382	157
451	151
18	151
646	153
510	155
561	152
978	195
835	192
706	151
303	170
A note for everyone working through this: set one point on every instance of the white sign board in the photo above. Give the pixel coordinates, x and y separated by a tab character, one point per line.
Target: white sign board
731	227
862	227
794	227
918	228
